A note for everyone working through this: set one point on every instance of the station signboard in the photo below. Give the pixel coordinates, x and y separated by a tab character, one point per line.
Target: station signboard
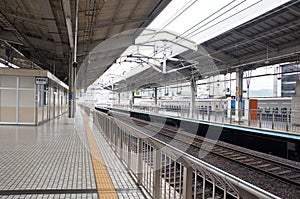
41	80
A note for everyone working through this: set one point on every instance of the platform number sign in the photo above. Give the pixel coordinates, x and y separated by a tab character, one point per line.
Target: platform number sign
41	80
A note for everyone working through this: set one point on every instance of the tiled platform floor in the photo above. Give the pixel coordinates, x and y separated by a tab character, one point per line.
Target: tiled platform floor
124	184
53	161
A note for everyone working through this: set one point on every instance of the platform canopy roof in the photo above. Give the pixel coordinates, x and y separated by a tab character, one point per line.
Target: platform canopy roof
271	38
40	33
153	57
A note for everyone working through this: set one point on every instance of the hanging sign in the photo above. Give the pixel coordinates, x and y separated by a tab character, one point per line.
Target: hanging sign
41	80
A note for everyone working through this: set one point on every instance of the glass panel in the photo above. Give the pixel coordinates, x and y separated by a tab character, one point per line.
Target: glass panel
45	112
8	105
26	106
8	81
40	102
46	103
55	102
26	82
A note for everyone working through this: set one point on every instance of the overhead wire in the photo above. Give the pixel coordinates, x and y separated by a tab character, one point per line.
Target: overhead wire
179	37
265	35
225	18
183	34
196	33
225	12
184	9
176	15
256	38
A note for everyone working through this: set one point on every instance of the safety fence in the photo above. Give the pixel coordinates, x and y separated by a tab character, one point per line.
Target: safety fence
167	172
281	120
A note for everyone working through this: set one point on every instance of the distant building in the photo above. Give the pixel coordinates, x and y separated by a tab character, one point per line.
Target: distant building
288	81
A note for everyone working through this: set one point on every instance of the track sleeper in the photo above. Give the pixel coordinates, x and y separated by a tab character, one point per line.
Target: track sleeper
284	172
295	176
273	169
264	165
247	160
240	158
257	162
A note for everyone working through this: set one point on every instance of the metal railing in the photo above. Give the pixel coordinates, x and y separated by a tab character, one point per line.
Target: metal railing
167	172
256	118
85	108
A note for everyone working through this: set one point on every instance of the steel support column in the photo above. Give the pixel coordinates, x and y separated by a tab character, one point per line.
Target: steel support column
193	97
119	98
131	98
239	95
155	96
71	89
155	100
72	73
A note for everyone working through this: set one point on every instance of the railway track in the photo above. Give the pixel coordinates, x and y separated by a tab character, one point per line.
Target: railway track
287	173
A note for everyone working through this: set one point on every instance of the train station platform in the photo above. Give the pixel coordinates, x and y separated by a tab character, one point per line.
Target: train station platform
63	158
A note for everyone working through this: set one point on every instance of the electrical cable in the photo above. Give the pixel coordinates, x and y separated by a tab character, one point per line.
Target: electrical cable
265	35
257	38
226	18
179	39
175	16
183	34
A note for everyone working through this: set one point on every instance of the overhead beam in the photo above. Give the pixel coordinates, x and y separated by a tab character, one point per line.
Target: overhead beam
278	29
10	37
22	19
294	10
36	22
275	57
7	25
110	23
68	17
285	48
52	27
253	40
37	42
116	12
218	55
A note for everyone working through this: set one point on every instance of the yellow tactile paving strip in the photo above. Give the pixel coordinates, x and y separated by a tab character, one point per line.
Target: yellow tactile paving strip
105	187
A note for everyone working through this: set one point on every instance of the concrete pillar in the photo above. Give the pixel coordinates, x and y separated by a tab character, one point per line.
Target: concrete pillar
239	95
193	98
